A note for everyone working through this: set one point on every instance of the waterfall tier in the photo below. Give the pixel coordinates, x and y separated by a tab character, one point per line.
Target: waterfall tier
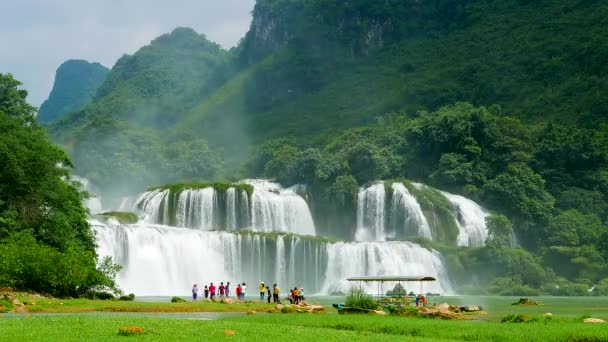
421	211
269	208
161	260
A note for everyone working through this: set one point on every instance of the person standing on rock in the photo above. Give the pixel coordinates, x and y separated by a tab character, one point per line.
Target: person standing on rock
296	295
243	291
206	292
275	294
262	291
194	292
211	291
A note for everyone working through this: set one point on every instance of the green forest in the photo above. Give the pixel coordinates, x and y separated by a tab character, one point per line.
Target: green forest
504	102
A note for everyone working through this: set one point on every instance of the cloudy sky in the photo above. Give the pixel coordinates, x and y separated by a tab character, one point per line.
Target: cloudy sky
36	36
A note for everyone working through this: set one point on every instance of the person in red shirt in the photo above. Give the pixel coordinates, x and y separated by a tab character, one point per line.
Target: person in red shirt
239	290
222	289
211	291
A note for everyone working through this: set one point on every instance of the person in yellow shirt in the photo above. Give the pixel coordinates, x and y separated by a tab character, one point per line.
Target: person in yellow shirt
296	295
275	294
262	291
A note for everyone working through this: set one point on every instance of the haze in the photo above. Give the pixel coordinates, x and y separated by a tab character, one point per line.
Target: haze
39	35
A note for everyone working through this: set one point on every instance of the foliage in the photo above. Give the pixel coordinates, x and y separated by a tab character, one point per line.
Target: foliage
30	265
76	83
122	217
177	299
357	298
127	298
500	232
45	241
218	186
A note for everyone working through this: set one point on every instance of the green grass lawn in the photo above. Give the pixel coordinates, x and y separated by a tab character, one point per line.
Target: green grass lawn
161	321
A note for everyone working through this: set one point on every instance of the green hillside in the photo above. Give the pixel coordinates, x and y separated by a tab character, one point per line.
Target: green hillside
76	83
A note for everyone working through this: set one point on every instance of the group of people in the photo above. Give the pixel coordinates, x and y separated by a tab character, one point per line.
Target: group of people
223	291
296	295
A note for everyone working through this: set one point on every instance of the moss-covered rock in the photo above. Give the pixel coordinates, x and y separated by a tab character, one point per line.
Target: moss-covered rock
438	211
122	217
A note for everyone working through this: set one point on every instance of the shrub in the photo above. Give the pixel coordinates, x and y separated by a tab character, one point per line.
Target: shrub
357	298
177	299
98	295
130	331
518	319
128	298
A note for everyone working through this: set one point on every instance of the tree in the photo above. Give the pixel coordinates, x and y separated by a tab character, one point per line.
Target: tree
44	233
572	228
500	232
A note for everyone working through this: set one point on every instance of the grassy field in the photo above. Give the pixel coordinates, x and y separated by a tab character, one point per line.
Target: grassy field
80	319
297	327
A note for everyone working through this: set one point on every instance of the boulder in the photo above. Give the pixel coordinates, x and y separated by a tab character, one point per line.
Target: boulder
227	300
216	299
443	306
251	312
279	307
379	312
593	320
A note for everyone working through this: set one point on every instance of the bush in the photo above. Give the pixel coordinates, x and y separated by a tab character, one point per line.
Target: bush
130	331
98	295
177	299
357	298
128	298
518	319
29	265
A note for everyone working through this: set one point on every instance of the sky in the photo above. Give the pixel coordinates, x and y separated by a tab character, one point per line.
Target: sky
36	36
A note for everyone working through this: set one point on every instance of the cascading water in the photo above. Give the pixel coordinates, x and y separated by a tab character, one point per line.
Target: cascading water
382	258
154	205
161	260
370	214
270	209
471	220
276	209
406	214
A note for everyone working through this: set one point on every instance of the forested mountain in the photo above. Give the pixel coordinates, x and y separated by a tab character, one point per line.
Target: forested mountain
76	83
505	102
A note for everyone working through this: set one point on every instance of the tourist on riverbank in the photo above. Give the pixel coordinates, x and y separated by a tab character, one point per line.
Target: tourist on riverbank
243	291
222	290
239	291
275	294
211	291
296	295
301	294
269	294
206	292
228	289
194	292
262	291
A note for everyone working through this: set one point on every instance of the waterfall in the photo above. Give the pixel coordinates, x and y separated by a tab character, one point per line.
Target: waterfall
281	210
370	213
406	213
196	209
471	220
162	260
382	258
154	205
231	211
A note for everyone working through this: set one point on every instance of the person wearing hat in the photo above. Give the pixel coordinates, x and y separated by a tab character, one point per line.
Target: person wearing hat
262	291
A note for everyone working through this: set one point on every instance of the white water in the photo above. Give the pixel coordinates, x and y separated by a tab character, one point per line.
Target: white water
404	201
196	209
161	260
150	203
281	210
471	220
370	213
382	259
